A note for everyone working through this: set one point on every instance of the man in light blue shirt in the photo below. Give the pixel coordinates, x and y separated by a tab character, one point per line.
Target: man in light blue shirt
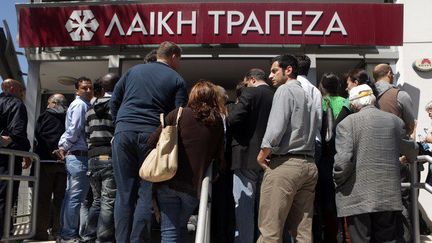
73	149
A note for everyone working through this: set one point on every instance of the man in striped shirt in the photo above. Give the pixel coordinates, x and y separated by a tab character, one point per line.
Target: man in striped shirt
99	132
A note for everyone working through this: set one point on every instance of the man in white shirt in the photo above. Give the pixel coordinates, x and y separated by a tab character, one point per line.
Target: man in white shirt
304	63
315	96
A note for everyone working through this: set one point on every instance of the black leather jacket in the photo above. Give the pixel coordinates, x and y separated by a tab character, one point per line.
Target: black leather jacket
13	122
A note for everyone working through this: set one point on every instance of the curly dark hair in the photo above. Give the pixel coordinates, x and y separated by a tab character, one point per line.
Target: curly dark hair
203	100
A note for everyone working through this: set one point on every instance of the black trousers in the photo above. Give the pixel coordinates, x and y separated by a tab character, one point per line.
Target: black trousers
376	227
52	185
222	209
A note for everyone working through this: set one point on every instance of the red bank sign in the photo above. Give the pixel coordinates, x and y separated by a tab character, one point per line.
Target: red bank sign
211	23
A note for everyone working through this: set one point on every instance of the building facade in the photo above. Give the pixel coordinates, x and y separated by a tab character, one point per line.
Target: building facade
222	40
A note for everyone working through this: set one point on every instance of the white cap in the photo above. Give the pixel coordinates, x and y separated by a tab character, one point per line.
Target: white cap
360	91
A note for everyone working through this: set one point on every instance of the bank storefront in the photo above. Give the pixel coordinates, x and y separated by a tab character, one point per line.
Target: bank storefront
222	40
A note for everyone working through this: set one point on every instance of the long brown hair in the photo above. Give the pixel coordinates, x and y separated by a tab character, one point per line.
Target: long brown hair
203	100
222	99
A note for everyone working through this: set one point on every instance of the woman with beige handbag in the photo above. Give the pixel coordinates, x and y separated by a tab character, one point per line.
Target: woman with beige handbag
200	140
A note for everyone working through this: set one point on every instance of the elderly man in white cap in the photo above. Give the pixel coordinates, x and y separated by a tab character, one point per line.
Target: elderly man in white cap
366	170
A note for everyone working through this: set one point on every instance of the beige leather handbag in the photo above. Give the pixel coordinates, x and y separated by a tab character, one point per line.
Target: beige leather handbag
161	163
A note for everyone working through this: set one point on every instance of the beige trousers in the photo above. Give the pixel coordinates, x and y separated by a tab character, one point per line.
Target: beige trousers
287	194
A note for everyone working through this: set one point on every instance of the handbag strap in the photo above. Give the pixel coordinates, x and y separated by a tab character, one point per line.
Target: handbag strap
162	120
179	112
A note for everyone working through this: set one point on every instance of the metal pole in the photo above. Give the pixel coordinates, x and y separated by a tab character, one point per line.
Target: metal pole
414	204
203	224
9	193
208	213
406	184
427	187
34	205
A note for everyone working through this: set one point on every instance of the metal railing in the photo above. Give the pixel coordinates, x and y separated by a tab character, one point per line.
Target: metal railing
414	185
204	213
11	178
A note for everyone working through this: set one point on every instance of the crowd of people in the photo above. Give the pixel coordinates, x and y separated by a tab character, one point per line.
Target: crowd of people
293	162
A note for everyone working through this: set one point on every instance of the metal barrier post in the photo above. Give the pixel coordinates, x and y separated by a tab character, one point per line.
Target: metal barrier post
9	192
414	203
427	187
208	213
414	186
204	213
10	178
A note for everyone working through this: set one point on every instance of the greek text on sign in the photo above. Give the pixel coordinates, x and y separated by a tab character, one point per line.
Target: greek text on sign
210	23
160	22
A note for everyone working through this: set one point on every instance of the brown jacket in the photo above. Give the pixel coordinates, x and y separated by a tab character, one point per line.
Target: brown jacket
198	146
388	102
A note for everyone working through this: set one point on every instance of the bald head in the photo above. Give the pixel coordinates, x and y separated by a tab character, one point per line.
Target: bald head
14	88
56	100
108	81
383	72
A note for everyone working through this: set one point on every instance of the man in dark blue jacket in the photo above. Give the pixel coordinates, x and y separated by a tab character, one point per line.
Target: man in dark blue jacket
13	135
143	92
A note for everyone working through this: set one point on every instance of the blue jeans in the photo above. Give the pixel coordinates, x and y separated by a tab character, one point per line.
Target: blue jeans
246	190
176	208
84	212
133	205
76	191
100	221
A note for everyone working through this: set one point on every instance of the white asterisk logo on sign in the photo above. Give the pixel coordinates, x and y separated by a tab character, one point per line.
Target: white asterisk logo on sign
81	25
